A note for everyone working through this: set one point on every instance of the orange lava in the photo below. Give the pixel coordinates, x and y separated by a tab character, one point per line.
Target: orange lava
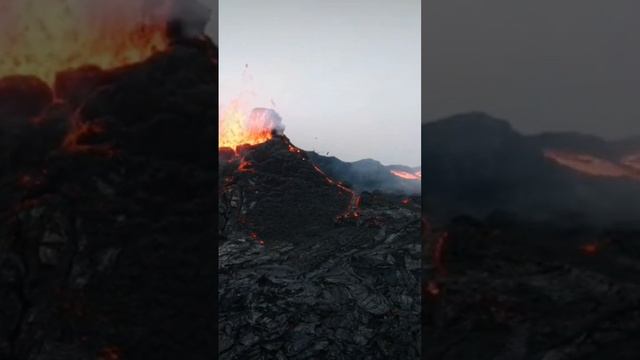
240	126
42	38
407	175
595	166
354	203
245	166
294	150
78	140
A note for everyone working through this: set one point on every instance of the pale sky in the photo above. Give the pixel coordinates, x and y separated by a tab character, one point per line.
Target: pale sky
543	65
343	74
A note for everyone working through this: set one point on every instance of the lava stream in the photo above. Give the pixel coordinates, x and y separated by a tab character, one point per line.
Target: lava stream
354	202
407	175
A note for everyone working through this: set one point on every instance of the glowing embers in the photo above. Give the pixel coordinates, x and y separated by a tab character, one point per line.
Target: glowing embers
590	249
88	138
239	127
415	176
43	38
593	248
245	166
254	236
294	150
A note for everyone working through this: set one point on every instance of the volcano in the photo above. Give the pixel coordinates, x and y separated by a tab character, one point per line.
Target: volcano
107	245
537	176
533	248
306	262
280	186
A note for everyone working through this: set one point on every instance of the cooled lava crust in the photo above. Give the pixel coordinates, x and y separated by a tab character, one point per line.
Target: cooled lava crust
283	194
107	242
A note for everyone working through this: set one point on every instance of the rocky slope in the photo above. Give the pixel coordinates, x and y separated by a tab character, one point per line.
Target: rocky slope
107	243
310	269
503	289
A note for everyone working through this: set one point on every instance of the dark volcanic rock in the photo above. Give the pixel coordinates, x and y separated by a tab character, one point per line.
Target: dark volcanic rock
285	195
107	243
530	291
308	271
23	97
74	86
351	292
477	164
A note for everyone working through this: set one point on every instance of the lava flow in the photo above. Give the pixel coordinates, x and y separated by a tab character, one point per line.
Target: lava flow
407	175
354	203
595	166
43	38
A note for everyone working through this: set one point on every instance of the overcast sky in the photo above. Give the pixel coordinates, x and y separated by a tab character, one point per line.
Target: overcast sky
543	65
343	74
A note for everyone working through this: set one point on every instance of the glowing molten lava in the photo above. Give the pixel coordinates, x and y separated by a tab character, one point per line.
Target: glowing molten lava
595	166
42	38
354	202
407	175
239	127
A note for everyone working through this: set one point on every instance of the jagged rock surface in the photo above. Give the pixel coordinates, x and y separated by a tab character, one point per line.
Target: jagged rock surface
325	286
107	243
531	292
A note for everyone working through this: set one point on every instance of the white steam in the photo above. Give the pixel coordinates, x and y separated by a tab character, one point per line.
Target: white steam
264	118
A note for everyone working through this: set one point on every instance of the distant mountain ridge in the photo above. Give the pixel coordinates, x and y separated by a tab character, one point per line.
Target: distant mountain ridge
367	174
475	164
